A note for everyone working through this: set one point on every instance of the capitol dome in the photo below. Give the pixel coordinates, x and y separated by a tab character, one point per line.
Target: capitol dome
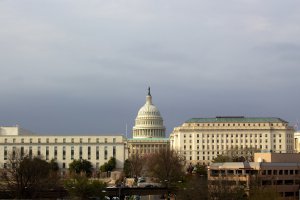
149	123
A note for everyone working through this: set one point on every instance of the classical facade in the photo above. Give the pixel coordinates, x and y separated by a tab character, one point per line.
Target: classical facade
200	140
148	131
297	142
64	149
278	171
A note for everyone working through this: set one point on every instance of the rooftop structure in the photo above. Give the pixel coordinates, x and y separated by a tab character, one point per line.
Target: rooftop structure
278	172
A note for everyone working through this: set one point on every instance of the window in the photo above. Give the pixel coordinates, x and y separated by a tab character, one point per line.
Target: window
97	153
89	152
55	152
72	152
105	140
22	140
5	153
80	152
80	140
14	152
64	153
105	153
30	140
47	140
47	153
39	151
97	140
30	152
39	140
114	151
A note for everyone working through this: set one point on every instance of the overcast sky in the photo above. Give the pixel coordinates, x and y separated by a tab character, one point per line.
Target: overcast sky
82	67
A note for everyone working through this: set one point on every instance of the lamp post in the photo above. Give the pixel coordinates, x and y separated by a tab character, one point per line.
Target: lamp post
167	185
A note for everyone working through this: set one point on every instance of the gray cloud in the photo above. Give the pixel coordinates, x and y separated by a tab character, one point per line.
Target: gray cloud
84	66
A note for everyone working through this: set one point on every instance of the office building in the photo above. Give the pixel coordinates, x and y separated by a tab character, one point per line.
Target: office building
279	172
97	149
200	140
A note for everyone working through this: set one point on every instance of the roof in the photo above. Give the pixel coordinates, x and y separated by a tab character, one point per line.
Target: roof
148	139
235	165
251	165
236	119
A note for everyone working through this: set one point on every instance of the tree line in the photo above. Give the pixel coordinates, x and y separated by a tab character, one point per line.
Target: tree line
25	177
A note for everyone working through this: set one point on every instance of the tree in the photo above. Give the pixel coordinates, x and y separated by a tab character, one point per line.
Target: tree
166	165
109	166
221	159
80	186
26	176
262	193
226	189
127	168
201	169
81	166
192	186
134	165
54	165
259	192
242	154
236	155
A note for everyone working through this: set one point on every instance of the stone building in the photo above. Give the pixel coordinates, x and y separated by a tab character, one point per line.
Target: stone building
297	142
149	131
97	149
279	172
200	140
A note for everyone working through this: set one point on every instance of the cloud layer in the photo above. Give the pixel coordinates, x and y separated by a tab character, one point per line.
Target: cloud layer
84	66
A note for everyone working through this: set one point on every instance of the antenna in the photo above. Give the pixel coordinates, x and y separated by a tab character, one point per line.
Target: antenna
296	125
126	131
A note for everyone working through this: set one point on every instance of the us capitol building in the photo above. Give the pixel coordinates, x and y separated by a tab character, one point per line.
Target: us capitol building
149	133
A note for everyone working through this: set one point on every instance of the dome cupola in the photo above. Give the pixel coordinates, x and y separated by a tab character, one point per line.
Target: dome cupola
149	123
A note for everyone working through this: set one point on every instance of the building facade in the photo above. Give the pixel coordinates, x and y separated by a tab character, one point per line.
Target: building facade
278	171
200	140
64	149
297	142
148	131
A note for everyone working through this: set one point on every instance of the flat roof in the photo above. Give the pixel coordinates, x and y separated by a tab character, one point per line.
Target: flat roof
239	119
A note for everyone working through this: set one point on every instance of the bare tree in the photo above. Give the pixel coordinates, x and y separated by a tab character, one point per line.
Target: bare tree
226	189
134	165
237	155
166	165
194	186
25	176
